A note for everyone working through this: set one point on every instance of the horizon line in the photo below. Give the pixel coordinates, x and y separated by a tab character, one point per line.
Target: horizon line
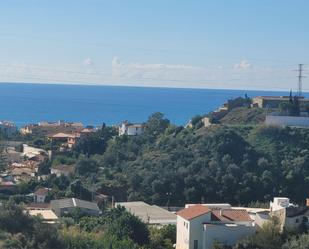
142	86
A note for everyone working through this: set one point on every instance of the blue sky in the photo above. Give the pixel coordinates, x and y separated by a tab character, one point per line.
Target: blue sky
242	44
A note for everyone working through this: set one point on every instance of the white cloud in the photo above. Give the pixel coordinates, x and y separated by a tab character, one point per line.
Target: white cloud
135	65
242	65
88	62
154	74
214	76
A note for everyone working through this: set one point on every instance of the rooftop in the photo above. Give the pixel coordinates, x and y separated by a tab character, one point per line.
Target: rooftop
193	211
7	183
47	215
279	98
62	135
227	215
64	168
87	130
74	202
40	206
151	214
41	191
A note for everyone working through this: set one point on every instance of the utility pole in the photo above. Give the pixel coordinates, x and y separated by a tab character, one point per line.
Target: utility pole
300	77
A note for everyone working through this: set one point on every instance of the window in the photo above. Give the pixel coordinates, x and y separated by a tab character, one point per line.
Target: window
296	221
195	244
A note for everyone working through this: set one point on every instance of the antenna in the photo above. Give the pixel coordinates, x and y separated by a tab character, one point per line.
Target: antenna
300	77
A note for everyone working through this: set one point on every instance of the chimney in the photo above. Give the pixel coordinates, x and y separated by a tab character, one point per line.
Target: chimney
221	212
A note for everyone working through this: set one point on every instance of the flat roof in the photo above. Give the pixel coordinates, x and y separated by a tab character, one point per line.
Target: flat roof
252	210
279	98
46	214
74	202
151	214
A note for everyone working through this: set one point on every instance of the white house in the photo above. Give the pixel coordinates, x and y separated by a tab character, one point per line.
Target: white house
30	152
198	226
28	129
130	129
290	215
62	169
8	128
40	194
279	203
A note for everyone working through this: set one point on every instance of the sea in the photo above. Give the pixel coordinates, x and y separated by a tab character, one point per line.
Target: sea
25	103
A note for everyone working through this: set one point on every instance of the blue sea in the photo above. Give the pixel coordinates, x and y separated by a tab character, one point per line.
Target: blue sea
93	105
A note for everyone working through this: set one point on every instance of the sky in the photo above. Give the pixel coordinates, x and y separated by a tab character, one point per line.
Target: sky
238	44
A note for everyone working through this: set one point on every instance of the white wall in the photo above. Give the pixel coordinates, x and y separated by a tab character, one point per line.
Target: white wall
58	173
182	238
261	219
133	131
30	149
226	234
287	121
130	130
39	198
196	230
279	203
188	231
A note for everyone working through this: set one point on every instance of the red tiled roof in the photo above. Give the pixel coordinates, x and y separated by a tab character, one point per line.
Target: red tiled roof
230	215
41	191
87	130
7	183
61	135
193	212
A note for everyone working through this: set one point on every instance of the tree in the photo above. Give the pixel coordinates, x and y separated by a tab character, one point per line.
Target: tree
156	124
13	219
95	142
12	244
3	160
196	121
239	102
46	236
125	225
163	238
291	108
44	167
297	242
269	237
79	191
86	166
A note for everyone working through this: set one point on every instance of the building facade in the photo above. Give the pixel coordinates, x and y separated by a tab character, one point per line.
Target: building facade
40	194
273	101
198	227
130	129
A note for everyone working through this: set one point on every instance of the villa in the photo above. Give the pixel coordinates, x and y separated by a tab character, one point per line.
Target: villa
199	226
129	129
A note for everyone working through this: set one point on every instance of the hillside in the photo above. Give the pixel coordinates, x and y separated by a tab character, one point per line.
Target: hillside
244	115
220	163
215	164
